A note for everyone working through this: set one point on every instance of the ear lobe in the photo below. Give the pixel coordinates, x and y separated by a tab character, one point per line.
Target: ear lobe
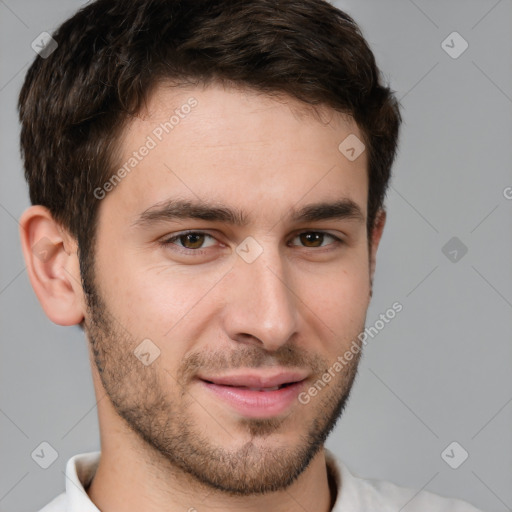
376	235
52	265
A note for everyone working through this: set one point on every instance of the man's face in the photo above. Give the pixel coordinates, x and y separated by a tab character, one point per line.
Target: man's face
222	308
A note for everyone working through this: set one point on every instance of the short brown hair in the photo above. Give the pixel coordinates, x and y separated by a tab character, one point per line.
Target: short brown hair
111	54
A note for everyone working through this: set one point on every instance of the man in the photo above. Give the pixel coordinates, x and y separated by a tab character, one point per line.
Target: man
207	181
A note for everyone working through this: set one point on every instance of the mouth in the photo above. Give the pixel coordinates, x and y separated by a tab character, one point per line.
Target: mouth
264	389
256	395
262	380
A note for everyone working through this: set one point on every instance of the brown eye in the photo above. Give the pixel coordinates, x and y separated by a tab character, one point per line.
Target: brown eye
192	240
311	239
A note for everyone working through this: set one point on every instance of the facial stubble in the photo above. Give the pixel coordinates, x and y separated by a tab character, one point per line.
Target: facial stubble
170	438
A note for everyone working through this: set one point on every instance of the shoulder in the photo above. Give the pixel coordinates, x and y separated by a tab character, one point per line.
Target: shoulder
356	494
388	496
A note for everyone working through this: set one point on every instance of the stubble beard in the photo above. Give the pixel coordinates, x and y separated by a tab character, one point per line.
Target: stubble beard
172	441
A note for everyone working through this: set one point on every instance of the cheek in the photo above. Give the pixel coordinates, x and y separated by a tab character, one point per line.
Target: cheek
340	297
158	302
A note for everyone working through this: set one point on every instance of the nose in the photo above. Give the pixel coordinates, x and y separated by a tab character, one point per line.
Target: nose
261	305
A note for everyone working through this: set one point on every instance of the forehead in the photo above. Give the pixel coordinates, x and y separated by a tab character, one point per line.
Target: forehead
235	112
237	146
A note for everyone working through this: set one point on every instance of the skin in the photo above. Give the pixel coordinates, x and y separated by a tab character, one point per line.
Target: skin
167	442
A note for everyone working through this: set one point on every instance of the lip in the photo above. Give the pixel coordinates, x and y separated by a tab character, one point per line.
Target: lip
256	380
234	391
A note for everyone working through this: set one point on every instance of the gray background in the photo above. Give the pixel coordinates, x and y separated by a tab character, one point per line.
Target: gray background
439	372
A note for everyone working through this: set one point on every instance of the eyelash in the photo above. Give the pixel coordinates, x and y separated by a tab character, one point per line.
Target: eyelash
200	251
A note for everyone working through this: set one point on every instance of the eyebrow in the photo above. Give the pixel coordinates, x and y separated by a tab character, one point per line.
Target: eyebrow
177	209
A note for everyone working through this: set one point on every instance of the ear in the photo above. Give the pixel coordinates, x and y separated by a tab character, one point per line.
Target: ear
52	264
376	234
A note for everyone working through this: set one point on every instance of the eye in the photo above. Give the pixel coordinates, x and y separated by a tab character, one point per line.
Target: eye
312	239
191	240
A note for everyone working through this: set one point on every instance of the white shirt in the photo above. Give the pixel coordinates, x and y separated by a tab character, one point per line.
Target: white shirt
354	494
